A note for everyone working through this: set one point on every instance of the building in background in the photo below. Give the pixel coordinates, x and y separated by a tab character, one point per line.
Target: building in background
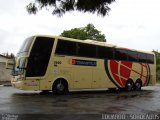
5	74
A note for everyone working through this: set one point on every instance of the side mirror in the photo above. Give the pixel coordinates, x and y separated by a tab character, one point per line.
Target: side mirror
17	62
9	64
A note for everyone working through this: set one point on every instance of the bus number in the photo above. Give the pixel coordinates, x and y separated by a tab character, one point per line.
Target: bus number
57	63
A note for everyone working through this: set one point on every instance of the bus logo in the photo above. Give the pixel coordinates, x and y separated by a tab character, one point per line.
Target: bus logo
120	71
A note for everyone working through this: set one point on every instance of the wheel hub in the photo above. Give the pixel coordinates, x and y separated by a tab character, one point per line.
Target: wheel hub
60	87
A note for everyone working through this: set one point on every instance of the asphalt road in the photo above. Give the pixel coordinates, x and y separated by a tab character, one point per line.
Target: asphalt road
24	105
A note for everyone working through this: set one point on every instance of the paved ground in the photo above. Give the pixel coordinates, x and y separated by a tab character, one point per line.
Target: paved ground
24	105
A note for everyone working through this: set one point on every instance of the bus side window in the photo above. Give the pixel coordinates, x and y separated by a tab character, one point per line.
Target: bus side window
66	48
86	50
39	57
105	52
142	57
150	58
120	54
132	56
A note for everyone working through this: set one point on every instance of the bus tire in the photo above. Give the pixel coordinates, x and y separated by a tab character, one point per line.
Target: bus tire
129	85
138	85
60	87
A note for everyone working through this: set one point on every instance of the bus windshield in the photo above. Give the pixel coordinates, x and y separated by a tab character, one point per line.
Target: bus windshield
18	68
26	45
19	63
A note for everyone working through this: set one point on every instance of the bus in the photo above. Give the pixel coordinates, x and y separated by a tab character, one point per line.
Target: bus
59	64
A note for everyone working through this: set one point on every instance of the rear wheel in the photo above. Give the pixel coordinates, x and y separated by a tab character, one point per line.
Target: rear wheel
60	87
138	85
129	85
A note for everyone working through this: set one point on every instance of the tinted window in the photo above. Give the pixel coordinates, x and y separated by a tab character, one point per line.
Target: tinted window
120	54
142	57
39	57
105	52
132	56
150	58
86	50
66	47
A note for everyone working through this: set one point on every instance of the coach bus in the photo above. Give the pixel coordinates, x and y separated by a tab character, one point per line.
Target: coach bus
59	64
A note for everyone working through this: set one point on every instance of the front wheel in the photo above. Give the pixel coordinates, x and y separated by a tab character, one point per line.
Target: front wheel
60	87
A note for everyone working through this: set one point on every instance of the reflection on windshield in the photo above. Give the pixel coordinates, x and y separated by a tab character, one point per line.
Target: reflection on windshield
26	45
19	69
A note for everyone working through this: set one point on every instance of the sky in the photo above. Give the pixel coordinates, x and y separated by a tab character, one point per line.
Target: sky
133	24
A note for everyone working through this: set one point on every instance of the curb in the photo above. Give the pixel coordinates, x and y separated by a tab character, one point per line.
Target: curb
4	85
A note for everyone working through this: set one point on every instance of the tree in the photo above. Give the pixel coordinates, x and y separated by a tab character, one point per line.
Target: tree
12	55
60	7
88	32
157	54
8	55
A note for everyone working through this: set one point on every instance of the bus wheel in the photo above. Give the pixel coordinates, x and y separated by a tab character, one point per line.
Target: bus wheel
138	85
60	87
129	85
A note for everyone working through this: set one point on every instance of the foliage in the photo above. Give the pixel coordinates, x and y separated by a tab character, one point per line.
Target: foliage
88	32
60	7
157	64
157	59
11	55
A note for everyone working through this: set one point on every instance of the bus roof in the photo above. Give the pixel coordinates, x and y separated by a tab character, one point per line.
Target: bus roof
88	41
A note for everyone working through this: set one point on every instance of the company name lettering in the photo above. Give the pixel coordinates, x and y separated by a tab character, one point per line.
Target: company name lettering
84	62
